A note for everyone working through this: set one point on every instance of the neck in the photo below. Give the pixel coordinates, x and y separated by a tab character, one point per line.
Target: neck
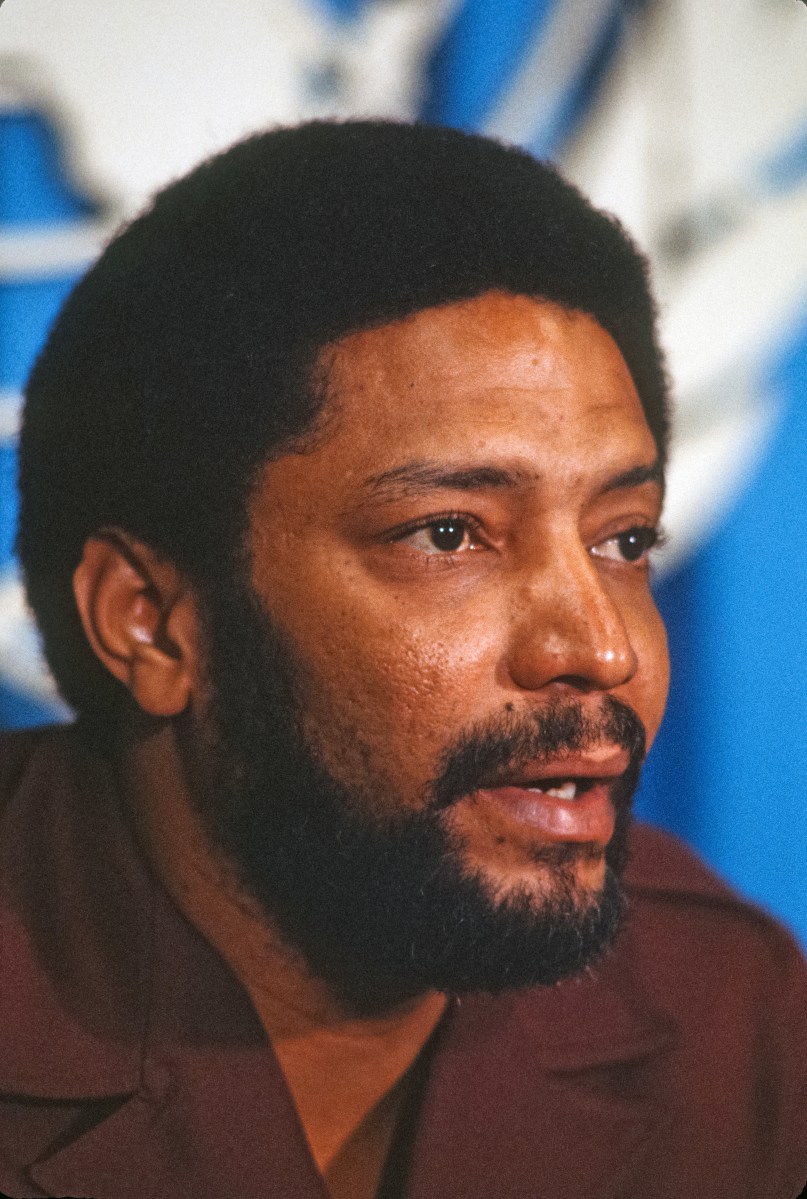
338	1064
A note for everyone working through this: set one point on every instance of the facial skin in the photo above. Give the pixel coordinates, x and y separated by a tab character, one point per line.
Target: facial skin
403	644
443	614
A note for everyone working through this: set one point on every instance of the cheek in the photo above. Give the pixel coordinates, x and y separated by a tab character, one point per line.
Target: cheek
390	697
648	689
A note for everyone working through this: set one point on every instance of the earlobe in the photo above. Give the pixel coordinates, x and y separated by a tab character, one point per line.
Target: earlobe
140	619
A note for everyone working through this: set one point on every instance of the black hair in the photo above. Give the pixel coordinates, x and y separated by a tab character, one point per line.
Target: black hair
184	358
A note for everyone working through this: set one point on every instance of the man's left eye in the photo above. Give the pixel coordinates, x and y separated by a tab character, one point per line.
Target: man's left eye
631	546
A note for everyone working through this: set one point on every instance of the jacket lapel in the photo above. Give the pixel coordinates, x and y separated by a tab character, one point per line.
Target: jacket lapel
210	1112
142	1054
205	1126
553	1092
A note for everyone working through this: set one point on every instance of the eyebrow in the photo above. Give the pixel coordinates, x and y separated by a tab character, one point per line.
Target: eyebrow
415	478
419	478
635	477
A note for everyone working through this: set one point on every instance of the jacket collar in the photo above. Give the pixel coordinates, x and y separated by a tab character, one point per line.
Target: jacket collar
76	916
123	998
104	965
518	1100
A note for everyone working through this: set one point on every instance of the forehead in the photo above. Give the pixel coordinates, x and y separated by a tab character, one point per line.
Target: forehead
476	373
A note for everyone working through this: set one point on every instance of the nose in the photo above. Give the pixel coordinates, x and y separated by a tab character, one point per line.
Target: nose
568	627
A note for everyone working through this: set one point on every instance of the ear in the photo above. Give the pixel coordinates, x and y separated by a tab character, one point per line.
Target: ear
140	618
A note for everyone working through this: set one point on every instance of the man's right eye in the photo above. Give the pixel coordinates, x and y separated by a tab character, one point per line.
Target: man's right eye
442	535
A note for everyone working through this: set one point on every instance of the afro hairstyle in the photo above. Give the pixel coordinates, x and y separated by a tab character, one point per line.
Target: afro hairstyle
185	358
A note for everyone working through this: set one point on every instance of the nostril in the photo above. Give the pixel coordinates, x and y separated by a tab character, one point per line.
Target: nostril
577	682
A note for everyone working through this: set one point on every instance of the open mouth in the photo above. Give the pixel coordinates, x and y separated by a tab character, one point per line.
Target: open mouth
570	799
561	788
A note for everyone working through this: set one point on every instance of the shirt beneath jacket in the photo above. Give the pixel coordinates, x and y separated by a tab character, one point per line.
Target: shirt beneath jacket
133	1066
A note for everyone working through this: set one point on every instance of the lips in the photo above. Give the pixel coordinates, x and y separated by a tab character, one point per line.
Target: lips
567	798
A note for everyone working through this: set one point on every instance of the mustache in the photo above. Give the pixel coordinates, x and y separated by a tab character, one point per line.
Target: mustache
489	751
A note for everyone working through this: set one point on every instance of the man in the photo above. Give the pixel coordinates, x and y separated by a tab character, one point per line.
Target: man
340	473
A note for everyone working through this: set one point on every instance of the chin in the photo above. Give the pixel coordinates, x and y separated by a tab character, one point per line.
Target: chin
546	875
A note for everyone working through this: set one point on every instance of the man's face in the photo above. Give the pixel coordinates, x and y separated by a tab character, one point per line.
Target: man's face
456	580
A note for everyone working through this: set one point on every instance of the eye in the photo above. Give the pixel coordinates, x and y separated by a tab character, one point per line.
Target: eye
445	535
631	546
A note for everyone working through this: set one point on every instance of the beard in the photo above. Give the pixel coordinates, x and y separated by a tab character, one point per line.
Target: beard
383	908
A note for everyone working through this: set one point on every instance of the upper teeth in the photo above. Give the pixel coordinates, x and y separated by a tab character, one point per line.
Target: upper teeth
567	790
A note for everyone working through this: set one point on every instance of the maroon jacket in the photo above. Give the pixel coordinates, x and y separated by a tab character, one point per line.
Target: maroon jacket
132	1065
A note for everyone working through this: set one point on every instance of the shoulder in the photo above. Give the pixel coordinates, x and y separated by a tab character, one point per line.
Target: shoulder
668	883
37	759
16	750
661	863
50	777
686	922
733	983
726	971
